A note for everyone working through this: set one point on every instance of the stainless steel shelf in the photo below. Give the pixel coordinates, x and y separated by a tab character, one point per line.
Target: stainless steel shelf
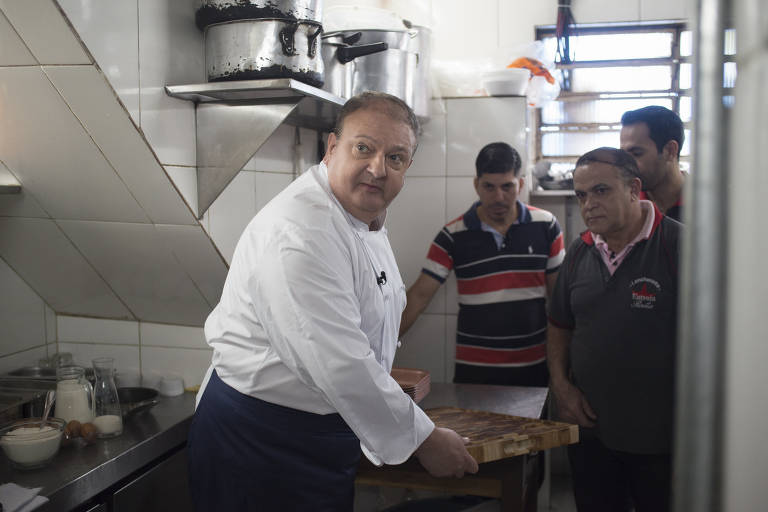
316	108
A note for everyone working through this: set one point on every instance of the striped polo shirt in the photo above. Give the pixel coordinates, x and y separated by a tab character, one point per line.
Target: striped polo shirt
502	289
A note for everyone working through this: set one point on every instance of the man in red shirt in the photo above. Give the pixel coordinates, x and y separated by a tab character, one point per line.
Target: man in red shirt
654	135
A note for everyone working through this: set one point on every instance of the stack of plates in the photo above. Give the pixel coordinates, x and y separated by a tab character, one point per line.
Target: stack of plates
414	382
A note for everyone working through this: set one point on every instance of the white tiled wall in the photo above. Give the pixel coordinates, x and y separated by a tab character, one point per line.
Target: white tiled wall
139	348
27	324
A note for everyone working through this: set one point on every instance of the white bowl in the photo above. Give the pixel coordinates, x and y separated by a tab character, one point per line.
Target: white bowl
506	82
171	385
28	446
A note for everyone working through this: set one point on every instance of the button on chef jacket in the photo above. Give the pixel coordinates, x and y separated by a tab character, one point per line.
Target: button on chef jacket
303	322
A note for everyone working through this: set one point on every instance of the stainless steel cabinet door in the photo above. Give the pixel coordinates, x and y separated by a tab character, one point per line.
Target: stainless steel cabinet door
163	487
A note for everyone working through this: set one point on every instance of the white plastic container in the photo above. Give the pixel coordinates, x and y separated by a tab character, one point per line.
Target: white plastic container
506	82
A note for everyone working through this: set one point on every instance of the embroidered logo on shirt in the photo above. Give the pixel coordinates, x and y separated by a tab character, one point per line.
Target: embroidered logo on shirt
644	291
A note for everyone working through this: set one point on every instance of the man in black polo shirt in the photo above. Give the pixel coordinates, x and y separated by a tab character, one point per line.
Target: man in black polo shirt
611	339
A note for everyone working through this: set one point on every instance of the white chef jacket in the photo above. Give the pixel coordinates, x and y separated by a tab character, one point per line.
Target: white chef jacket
303	323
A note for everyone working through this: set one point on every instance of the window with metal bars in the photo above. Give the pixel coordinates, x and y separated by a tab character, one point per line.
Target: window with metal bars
611	69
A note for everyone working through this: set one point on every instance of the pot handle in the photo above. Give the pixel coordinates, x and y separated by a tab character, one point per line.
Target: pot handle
312	43
352	38
286	37
349	53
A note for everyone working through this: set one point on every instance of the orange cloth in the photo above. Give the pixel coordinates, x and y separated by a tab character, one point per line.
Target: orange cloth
534	66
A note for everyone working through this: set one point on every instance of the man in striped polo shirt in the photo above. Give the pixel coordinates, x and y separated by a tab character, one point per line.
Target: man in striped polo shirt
506	256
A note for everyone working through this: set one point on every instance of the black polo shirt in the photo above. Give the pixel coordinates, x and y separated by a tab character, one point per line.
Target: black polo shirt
622	352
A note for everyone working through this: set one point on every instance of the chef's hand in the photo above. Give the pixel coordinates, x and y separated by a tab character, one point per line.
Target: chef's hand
572	405
443	454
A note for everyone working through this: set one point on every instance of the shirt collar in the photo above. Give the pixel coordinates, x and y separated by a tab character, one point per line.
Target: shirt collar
472	219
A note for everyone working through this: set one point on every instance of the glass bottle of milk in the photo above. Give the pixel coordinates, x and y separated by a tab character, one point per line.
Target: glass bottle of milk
108	417
74	395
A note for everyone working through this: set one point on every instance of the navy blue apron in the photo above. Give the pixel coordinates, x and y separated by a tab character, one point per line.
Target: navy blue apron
246	454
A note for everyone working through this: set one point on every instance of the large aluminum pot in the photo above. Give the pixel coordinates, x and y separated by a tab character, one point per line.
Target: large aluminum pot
340	57
217	11
402	70
264	48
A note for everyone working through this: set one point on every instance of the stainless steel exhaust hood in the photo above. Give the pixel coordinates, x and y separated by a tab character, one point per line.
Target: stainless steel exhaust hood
235	118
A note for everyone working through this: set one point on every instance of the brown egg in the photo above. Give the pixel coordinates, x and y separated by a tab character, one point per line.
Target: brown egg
72	429
88	432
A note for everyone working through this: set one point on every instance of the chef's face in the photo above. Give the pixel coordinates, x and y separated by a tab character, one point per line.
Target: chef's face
635	139
498	193
605	199
367	162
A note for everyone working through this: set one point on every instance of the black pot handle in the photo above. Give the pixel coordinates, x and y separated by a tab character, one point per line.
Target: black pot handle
312	42
349	53
286	37
351	38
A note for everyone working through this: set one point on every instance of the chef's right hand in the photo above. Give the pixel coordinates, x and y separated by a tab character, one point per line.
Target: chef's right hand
443	454
572	405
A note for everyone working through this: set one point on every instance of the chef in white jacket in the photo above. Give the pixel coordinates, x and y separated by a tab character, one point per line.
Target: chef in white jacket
305	334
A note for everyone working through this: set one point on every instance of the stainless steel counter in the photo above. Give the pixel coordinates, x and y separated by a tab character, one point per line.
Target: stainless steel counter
79	472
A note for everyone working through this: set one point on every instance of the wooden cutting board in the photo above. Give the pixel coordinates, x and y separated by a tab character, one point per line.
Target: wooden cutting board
495	436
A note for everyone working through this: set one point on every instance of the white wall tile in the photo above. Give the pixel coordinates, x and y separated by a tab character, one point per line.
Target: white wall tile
93	101
474	122
135	262
517	26
51	327
83	354
595	12
199	258
21	359
22	204
110	31
267	185
232	211
429	159
465	29
459	196
170	53
44	29
411	234
178	336
47	148
664	10
96	330
13	51
190	364
185	180
423	346
22	314
40	253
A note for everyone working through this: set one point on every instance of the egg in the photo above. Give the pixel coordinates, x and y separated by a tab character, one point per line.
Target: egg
72	429
88	432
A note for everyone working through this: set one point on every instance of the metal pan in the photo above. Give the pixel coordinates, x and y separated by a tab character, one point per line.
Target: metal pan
136	400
